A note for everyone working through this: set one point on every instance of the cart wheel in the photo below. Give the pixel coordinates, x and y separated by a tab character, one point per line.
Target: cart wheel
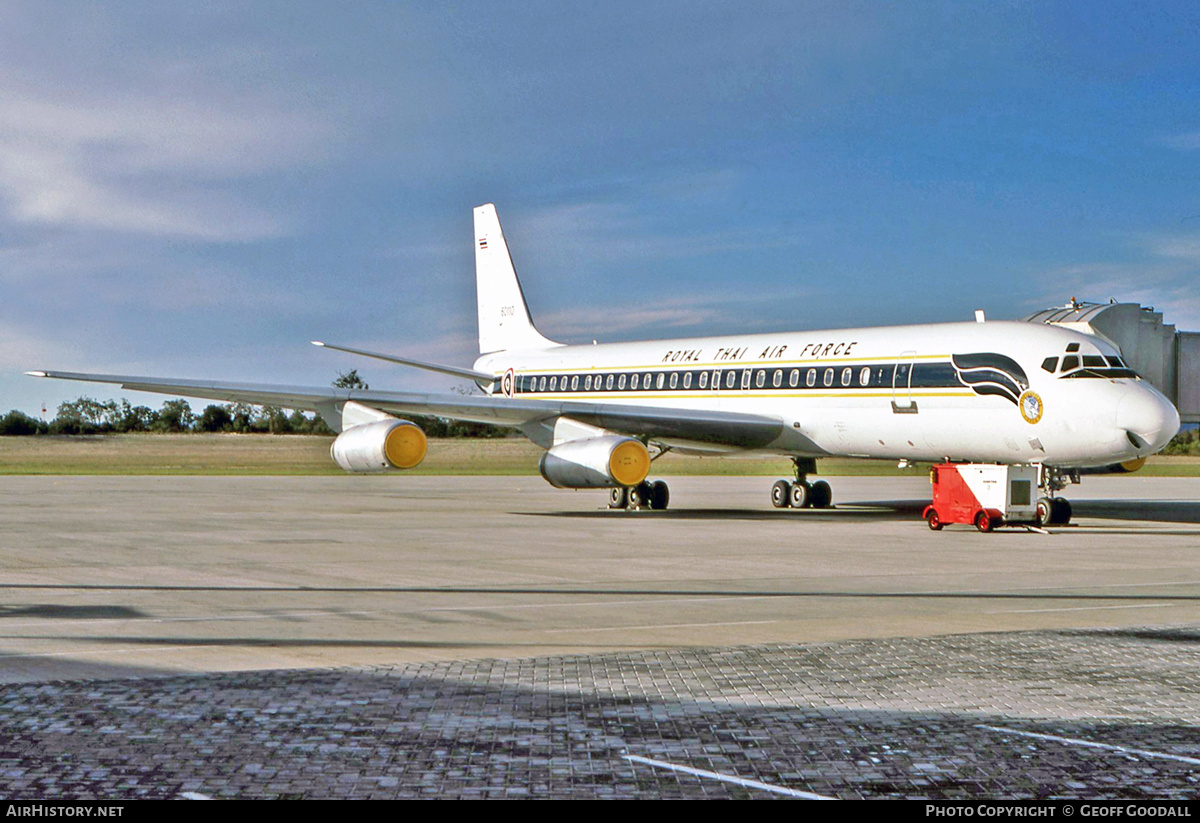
1045	512
934	520
983	521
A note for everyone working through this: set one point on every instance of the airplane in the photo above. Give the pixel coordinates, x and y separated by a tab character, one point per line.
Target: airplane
1010	393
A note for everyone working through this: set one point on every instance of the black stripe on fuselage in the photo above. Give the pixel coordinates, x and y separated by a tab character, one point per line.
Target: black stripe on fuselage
861	376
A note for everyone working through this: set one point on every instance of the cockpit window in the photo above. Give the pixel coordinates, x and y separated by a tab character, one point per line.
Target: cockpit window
1097	366
1072	347
1050	364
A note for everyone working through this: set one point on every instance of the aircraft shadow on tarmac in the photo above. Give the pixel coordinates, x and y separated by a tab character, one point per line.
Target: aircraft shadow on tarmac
874	510
55	611
1164	511
1158	511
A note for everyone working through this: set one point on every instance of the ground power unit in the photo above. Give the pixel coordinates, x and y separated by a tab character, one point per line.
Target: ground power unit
985	495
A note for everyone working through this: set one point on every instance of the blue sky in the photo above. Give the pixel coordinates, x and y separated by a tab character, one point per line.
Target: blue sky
198	192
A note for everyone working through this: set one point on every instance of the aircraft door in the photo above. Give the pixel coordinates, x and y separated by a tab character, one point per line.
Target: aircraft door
902	398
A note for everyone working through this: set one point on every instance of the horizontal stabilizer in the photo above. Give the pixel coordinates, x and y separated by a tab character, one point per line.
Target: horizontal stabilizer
470	374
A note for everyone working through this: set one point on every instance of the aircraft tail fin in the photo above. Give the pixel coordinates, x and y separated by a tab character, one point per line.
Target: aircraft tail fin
504	321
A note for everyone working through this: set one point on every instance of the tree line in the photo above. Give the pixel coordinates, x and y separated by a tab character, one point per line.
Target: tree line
88	416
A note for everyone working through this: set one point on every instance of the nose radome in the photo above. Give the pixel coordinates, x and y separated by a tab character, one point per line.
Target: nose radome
1150	416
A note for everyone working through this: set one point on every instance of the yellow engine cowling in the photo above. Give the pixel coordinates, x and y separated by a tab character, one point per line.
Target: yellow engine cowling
379	446
596	462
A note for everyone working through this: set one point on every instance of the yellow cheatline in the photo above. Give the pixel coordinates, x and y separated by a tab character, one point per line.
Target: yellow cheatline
1133	465
405	446
629	463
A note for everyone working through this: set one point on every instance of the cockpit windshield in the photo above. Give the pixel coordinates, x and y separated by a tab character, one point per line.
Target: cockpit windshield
1095	365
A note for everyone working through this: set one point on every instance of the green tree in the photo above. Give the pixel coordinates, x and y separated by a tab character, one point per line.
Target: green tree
174	416
214	418
272	419
243	417
350	380
85	416
16	422
132	418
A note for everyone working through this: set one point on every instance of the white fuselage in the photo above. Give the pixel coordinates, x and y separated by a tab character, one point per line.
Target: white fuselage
981	392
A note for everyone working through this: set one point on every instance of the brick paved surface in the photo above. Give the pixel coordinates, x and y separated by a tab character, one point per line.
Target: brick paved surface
877	718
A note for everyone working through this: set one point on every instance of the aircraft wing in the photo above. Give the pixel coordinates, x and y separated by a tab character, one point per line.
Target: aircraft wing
735	429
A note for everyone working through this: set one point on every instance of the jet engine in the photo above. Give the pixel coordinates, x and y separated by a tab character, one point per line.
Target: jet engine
375	447
1128	467
596	462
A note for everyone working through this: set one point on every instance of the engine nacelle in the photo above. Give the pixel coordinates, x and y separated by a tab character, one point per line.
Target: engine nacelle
379	446
596	462
1128	467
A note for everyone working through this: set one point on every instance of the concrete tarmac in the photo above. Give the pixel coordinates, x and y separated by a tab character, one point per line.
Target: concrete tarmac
189	574
409	578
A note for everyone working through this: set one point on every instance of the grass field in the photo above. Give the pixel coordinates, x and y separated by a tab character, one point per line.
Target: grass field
263	454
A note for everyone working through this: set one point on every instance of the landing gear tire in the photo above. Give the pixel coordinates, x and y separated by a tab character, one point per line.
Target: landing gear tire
660	495
934	520
798	495
983	522
1061	511
638	495
1053	511
618	497
820	495
780	494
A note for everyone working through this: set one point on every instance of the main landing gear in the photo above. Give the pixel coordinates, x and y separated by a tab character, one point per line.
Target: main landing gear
645	495
802	494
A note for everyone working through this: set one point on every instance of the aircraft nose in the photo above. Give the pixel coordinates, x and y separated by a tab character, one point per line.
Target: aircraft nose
1148	418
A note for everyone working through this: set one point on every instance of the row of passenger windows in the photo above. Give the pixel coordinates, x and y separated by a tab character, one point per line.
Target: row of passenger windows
867	376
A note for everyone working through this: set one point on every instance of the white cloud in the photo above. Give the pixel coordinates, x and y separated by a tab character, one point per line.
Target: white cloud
146	166
1183	142
1178	247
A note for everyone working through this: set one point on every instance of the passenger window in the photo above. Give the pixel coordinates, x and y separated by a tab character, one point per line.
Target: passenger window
621	383
777	378
730	379
674	379
1050	364
810	379
760	379
575	383
659	383
542	384
828	380
687	380
633	382
847	373
703	379
553	384
608	383
864	376
745	379
587	383
794	378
